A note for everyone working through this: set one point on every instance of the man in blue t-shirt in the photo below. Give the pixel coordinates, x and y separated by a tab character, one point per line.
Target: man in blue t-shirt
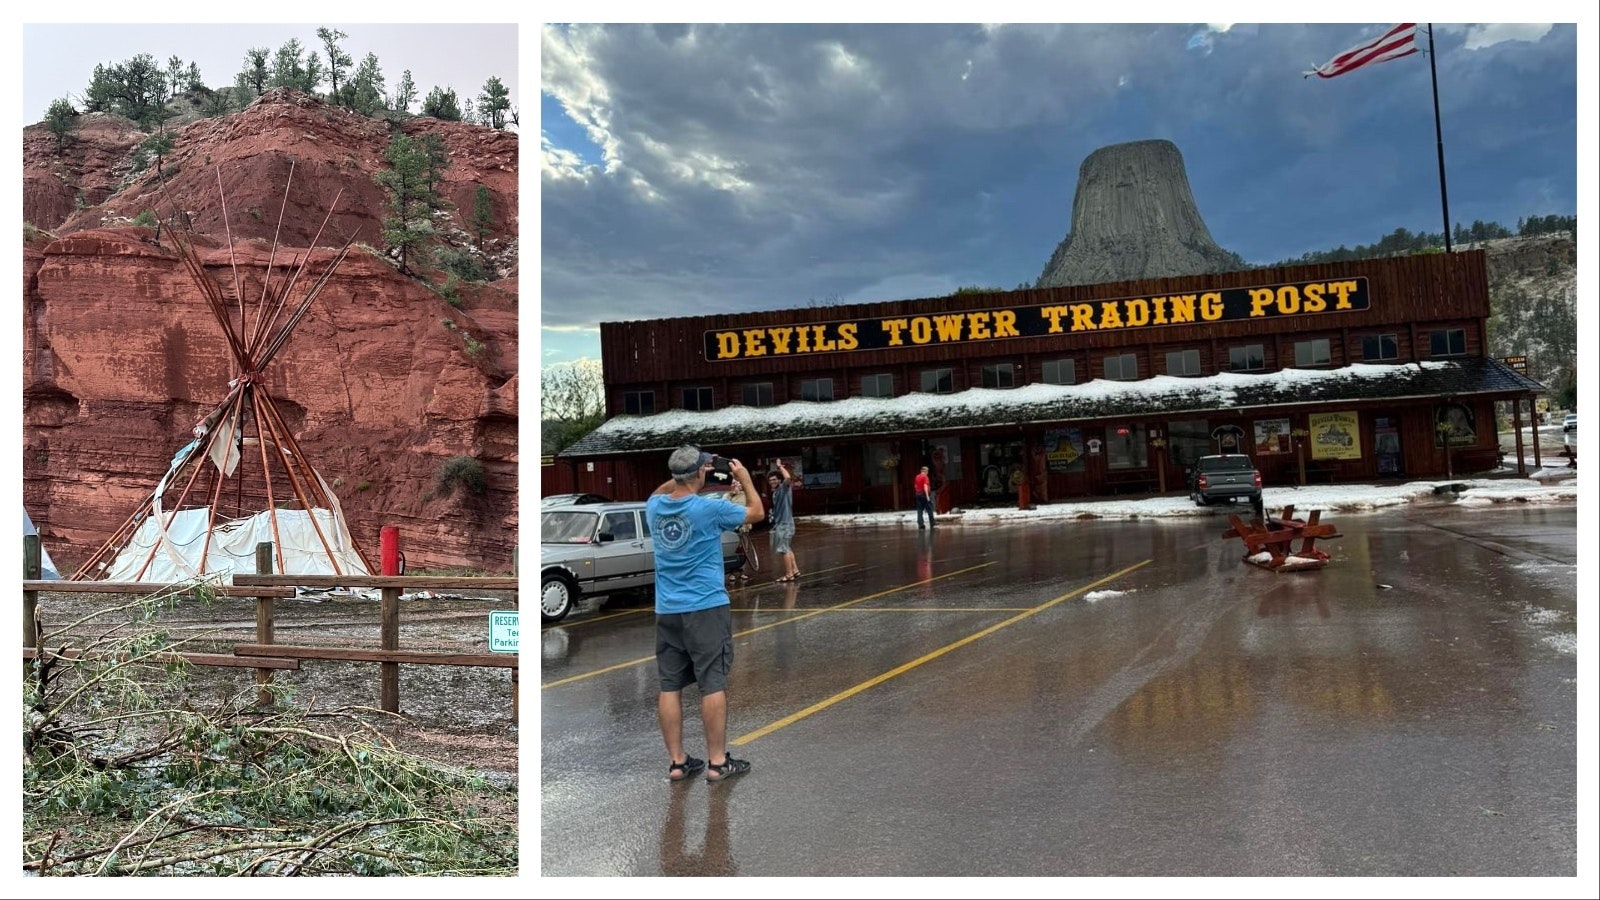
694	625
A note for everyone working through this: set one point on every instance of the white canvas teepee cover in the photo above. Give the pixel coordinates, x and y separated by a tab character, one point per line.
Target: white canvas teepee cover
48	569
175	546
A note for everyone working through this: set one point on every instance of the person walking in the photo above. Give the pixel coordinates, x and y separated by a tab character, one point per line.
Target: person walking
923	486
694	622
783	521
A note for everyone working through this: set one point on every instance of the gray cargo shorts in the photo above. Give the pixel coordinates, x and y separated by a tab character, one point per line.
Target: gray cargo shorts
695	648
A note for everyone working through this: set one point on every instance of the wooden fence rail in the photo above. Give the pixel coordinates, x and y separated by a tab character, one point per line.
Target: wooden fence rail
265	655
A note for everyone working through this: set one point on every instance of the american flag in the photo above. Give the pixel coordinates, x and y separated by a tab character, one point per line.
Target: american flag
1401	40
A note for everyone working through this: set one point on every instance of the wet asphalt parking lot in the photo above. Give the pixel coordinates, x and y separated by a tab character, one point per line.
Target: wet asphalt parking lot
1099	698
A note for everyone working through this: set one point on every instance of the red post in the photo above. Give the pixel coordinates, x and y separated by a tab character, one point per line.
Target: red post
389	549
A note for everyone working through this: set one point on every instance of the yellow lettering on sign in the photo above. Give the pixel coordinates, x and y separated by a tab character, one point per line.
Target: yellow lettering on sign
977	325
1138	312
1343	289
894	327
1259	298
1005	324
1161	310
1082	317
821	341
1288	300
1211	306
1110	315
727	345
1054	314
804	334
921	330
1313	300
847	336
753	343
1182	308
949	327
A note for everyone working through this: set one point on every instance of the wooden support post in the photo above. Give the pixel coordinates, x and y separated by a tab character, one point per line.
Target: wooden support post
32	568
389	625
263	624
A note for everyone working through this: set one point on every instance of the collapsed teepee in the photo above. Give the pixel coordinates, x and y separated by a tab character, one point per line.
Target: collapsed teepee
243	480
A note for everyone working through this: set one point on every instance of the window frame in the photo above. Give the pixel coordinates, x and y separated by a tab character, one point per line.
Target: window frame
1391	341
879	379
1435	335
1070	364
1122	360
758	387
941	375
1238	350
634	398
705	399
1186	356
813	387
1312	345
1008	370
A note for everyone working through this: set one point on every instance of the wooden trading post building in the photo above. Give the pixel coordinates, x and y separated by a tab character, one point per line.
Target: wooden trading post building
1337	372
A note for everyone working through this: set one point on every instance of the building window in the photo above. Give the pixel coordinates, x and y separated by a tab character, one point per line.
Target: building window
877	385
758	394
817	389
1250	357
1312	353
1380	346
937	381
697	398
1123	368
639	403
1450	342
1183	362
1002	375
880	466
1059	371
820	466
1126	447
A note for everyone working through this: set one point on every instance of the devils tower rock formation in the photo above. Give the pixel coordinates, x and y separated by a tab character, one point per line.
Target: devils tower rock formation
1133	217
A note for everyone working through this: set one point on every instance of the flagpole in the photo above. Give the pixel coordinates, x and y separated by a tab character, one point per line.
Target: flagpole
1444	195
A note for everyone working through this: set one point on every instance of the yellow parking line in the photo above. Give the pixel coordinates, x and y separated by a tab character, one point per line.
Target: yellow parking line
651	658
844	695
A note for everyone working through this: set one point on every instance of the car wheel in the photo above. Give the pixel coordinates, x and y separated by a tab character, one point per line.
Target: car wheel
556	598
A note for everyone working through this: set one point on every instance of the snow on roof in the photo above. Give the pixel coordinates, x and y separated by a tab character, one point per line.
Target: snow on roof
1100	398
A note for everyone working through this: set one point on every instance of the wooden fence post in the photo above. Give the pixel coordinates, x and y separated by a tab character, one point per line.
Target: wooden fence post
263	623
32	570
389	620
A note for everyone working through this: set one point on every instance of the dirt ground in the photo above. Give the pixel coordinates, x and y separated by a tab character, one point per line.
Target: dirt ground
464	717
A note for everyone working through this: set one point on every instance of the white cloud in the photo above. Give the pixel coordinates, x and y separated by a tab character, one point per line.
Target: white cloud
1481	36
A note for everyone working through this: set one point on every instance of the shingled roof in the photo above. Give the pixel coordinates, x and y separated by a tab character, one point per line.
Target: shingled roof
976	408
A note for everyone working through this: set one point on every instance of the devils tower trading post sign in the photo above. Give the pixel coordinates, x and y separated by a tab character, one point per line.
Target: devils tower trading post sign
1307	298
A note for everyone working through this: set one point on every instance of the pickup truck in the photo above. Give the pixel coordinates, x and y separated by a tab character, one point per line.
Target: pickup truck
1224	478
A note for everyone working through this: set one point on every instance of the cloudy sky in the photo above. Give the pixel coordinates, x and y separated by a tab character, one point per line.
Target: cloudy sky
58	60
710	168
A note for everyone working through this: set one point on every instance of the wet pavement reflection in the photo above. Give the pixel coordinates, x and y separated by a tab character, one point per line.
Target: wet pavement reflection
1099	698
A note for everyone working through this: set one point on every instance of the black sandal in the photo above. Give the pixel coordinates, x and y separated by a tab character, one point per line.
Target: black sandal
685	770
729	768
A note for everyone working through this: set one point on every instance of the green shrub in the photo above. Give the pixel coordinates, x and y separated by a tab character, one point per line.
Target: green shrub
462	470
146	219
463	264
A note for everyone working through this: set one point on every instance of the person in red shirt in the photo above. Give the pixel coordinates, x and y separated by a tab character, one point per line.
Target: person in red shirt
924	490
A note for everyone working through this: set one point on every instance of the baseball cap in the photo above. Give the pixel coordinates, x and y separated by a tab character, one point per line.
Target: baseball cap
682	463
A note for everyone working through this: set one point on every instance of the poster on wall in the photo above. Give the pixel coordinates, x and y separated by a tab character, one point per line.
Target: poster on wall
1335	436
1455	422
1272	436
1063	449
795	466
944	460
1386	444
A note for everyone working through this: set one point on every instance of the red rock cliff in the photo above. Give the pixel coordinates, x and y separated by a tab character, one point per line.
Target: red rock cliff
381	383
